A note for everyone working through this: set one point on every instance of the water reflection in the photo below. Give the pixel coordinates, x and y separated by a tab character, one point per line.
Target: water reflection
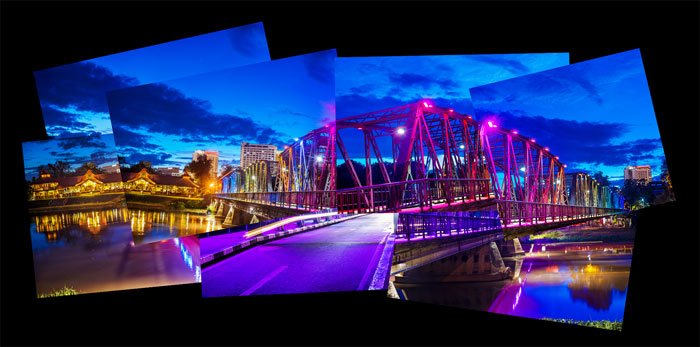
580	282
146	226
94	251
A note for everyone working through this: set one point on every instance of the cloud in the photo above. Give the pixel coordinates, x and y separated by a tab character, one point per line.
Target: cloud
247	39
81	142
577	142
127	138
321	66
513	66
81	85
63	119
408	80
354	104
158	108
156	159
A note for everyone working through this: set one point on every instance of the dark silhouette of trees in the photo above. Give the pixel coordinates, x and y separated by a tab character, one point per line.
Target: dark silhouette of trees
141	165
602	179
637	194
88	166
201	169
58	169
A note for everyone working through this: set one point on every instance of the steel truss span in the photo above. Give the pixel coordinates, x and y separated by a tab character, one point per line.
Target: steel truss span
439	159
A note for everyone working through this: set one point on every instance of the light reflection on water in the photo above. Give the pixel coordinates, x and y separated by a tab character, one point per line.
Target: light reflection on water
560	282
94	251
146	226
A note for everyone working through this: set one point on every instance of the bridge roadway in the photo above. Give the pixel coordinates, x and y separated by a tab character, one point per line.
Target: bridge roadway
351	255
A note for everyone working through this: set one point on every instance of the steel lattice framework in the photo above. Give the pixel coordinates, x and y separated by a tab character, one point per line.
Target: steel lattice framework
308	164
432	142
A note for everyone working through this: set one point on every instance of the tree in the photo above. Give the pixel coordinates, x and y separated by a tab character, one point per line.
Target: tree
58	169
201	169
141	165
226	168
602	179
637	194
88	166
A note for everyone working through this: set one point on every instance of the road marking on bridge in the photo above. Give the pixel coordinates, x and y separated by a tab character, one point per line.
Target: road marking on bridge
265	279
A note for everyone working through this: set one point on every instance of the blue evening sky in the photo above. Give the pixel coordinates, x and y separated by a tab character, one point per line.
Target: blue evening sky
267	103
73	96
76	151
373	83
596	115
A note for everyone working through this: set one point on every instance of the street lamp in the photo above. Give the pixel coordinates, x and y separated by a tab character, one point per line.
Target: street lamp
400	131
319	158
461	146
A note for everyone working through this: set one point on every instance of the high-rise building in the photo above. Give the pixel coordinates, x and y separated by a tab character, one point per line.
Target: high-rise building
252	152
211	155
639	173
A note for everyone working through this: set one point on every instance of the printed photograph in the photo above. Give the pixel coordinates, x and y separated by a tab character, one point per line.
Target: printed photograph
72	96
407	139
330	253
569	155
81	229
228	148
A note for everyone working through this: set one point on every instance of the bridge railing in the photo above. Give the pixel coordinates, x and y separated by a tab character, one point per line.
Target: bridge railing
518	213
307	201
421	226
422	193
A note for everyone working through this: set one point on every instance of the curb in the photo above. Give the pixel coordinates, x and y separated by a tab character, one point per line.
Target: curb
229	251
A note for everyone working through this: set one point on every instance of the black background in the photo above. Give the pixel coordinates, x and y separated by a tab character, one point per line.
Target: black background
662	301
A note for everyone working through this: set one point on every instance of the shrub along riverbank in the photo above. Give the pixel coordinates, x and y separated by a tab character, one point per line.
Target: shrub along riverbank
601	324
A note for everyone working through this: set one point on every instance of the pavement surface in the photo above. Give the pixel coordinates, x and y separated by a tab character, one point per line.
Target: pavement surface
339	257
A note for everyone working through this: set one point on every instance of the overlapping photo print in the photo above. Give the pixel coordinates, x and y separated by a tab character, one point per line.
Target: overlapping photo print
228	148
81	230
569	155
72	96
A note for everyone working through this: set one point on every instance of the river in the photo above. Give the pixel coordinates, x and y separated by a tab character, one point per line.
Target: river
95	251
585	281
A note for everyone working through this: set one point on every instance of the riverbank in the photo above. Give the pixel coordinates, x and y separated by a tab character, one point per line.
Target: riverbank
584	234
600	324
77	203
166	203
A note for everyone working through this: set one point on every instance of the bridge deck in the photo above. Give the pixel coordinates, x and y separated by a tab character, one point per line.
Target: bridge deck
339	257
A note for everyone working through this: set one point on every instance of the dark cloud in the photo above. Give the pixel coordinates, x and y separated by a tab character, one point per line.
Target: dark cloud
321	67
354	104
577	141
246	39
156	159
63	120
81	142
124	137
62	154
513	66
407	80
81	85
157	108
538	84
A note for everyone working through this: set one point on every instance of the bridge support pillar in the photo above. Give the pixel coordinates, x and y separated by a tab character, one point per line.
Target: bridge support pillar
482	264
510	248
229	217
220	210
